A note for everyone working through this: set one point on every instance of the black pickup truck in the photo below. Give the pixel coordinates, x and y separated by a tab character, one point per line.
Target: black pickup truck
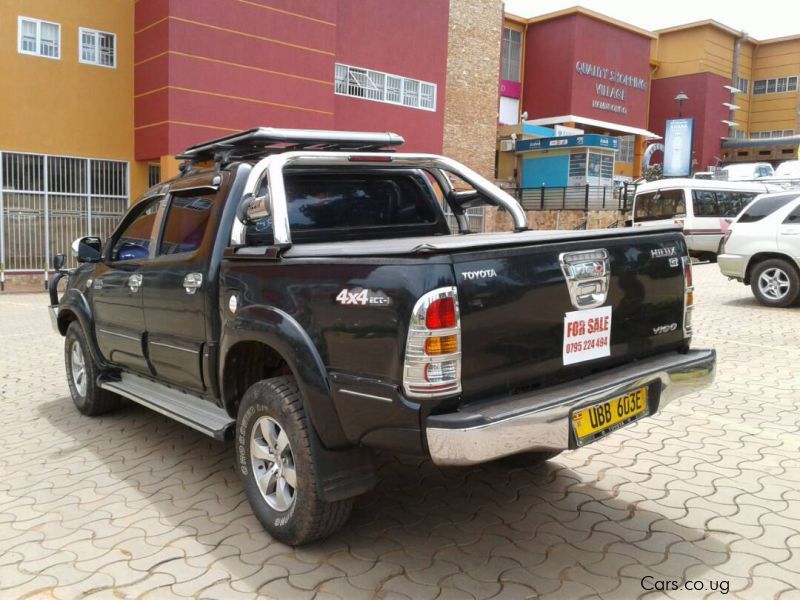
302	293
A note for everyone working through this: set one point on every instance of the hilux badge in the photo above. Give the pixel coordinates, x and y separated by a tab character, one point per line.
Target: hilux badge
663	252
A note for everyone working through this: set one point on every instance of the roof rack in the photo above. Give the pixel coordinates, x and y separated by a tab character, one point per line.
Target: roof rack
263	141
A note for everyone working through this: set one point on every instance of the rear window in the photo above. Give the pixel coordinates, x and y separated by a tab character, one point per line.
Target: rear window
663	204
765	207
715	203
332	206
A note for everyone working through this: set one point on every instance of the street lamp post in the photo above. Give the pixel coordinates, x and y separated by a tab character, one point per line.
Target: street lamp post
680	99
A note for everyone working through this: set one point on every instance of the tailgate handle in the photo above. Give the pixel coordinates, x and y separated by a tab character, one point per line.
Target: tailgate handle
587	273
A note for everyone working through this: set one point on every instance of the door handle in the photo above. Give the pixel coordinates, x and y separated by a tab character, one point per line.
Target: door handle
134	282
192	282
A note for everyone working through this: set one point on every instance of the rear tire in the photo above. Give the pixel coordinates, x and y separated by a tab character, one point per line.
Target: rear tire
276	465
775	283
89	398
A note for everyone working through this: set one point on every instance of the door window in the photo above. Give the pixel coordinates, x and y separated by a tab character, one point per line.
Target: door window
133	243
185	227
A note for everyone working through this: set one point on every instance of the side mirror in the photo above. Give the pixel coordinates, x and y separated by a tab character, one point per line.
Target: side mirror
87	249
58	261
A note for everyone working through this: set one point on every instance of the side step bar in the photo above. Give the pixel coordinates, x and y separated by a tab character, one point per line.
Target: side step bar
194	411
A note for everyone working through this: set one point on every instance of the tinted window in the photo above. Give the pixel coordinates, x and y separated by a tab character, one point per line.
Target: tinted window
186	224
765	207
134	241
328	206
653	206
794	216
323	202
708	203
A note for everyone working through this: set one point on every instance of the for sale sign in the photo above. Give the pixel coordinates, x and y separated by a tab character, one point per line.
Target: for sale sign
587	334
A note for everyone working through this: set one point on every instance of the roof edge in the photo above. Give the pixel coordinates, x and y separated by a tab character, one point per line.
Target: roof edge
580	10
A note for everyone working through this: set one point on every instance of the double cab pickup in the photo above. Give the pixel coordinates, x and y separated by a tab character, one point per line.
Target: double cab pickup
316	295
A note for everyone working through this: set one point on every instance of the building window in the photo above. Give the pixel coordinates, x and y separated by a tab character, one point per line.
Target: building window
778	85
738	134
512	53
97	48
39	38
153	174
742	84
384	87
777	133
625	153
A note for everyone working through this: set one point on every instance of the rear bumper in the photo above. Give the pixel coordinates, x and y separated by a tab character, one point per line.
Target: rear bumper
540	420
732	265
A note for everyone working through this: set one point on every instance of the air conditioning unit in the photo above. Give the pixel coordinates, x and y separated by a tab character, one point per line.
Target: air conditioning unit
506	145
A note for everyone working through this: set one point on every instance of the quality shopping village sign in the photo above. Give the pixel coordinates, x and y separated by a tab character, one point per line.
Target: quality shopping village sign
612	88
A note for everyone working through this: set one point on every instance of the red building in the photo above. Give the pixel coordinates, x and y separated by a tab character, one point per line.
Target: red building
206	68
707	94
583	70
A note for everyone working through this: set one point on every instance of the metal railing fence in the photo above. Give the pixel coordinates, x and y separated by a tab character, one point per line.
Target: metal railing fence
577	197
47	201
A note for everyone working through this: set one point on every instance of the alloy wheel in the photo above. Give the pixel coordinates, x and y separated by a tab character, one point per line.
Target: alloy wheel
273	464
78	368
774	283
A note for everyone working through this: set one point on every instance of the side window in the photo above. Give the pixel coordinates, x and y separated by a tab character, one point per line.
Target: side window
765	207
794	216
185	227
740	200
134	241
705	203
655	206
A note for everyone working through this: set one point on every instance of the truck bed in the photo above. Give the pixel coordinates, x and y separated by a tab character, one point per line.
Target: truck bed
455	243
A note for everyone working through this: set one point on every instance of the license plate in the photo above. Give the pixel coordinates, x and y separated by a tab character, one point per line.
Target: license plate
594	422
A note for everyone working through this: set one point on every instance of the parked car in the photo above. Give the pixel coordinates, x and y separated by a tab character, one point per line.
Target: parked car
787	175
762	248
744	172
703	208
305	297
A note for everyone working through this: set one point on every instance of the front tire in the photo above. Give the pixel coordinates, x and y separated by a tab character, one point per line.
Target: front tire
276	465
89	398
775	282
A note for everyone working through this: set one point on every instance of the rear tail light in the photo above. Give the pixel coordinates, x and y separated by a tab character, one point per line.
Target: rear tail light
441	314
724	241
688	296
432	365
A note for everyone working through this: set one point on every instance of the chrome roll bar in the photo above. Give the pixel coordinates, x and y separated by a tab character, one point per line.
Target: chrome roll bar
273	166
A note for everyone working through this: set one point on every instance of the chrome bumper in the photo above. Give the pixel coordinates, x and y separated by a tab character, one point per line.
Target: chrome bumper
53	310
540	420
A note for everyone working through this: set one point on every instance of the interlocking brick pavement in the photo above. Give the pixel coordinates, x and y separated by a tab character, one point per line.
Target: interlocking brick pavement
134	505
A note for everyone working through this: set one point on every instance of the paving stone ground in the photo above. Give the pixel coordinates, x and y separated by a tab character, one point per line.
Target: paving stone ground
133	505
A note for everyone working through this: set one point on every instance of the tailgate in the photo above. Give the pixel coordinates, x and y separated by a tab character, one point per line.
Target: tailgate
514	302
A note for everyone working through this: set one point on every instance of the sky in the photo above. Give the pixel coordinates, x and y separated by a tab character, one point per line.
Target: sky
761	20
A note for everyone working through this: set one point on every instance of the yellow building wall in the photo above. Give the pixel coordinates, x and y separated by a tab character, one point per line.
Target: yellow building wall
770	112
681	52
63	106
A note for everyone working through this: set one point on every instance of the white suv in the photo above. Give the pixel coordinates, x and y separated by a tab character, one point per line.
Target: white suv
762	248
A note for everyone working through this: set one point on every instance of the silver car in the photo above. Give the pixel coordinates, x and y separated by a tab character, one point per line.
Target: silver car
762	248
